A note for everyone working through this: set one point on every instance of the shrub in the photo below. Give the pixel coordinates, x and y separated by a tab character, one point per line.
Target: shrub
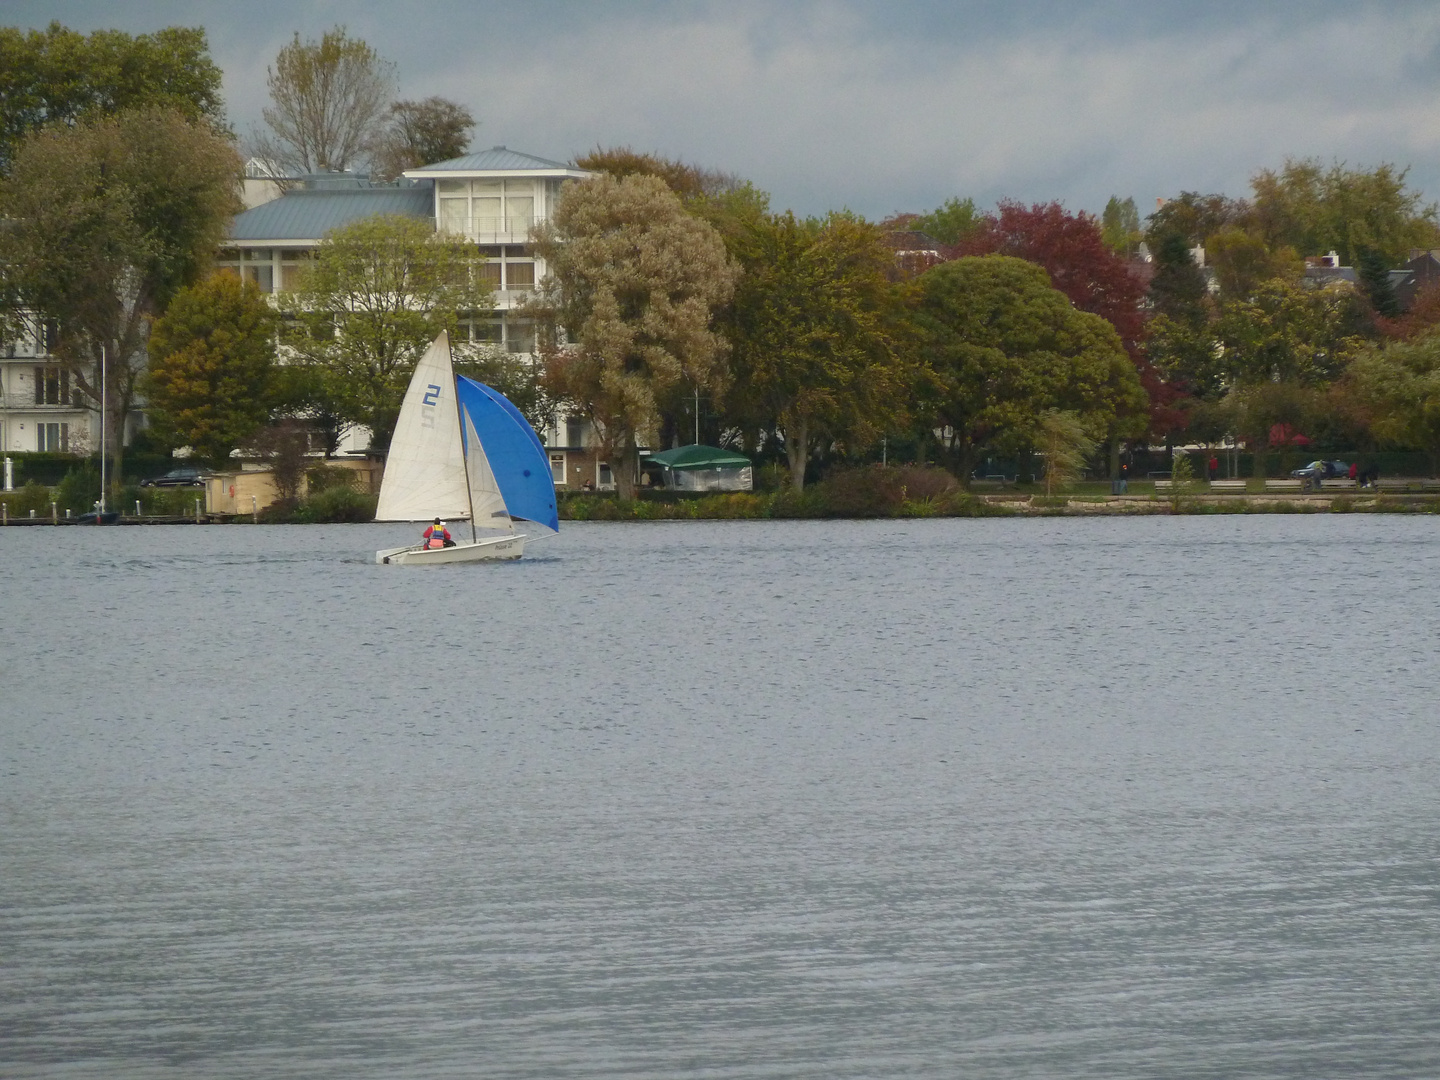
320	478
772	477
79	491
168	502
925	481
737	505
32	496
790	503
280	512
875	491
337	504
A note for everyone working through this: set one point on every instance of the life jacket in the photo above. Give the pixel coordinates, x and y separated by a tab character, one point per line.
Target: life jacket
435	538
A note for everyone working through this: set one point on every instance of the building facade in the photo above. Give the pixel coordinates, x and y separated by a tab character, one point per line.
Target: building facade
40	408
492	198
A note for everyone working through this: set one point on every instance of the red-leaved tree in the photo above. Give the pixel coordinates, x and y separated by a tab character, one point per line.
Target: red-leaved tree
1072	250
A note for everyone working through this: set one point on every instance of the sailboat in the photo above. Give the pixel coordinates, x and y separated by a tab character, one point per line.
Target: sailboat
462	452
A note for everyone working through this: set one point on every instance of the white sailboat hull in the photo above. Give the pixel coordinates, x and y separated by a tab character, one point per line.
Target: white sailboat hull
493	547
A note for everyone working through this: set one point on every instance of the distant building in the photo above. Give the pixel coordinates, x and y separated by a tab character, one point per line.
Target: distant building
40	407
491	198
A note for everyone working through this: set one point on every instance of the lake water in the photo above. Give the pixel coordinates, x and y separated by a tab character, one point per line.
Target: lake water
1042	798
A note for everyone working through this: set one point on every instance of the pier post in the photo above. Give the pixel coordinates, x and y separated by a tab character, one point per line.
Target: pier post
54	514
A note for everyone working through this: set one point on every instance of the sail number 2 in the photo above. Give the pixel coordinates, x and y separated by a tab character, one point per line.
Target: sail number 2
432	395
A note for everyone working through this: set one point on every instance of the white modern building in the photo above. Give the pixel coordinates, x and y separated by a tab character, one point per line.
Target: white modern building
491	198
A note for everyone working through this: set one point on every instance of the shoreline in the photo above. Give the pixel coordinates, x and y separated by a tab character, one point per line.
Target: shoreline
745	506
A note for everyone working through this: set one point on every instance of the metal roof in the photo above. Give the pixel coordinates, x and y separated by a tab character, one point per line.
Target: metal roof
699	456
311	214
497	159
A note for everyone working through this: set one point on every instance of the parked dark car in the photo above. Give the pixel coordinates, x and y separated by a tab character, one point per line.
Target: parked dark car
187	476
1323	470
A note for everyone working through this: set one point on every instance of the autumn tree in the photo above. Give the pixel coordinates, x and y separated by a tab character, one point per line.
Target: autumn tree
106	221
420	133
1004	346
634	283
211	356
58	76
328	100
1194	218
821	354
1072	250
376	294
685	180
1242	261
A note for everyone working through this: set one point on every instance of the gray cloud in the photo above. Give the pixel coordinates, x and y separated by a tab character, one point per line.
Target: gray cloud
885	107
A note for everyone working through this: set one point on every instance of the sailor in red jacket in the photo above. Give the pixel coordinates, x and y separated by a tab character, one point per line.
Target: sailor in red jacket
437	536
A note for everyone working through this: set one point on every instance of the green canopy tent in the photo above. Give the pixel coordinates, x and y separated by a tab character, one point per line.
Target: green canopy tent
703	468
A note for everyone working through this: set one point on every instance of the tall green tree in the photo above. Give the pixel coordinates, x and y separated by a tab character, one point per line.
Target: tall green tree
328	100
1286	332
1004	346
106	220
366	307
1373	270
1178	290
1399	386
952	222
58	76
1120	226
634	283
1315	210
821	353
209	383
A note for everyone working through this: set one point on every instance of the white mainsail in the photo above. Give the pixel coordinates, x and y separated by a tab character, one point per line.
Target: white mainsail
425	470
485	498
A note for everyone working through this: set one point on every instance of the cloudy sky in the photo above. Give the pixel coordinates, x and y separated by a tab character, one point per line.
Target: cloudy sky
882	107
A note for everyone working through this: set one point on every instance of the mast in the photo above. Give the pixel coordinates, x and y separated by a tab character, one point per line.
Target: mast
104	404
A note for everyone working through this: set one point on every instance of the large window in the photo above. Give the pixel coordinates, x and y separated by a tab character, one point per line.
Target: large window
52	437
510	332
270	269
52	386
487	208
507	267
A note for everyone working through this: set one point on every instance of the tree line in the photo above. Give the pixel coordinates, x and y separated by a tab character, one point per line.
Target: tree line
956	334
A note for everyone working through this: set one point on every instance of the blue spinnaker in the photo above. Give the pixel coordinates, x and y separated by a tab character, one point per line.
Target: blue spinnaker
516	454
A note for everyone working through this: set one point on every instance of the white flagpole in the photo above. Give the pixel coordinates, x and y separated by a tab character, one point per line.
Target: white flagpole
104	404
